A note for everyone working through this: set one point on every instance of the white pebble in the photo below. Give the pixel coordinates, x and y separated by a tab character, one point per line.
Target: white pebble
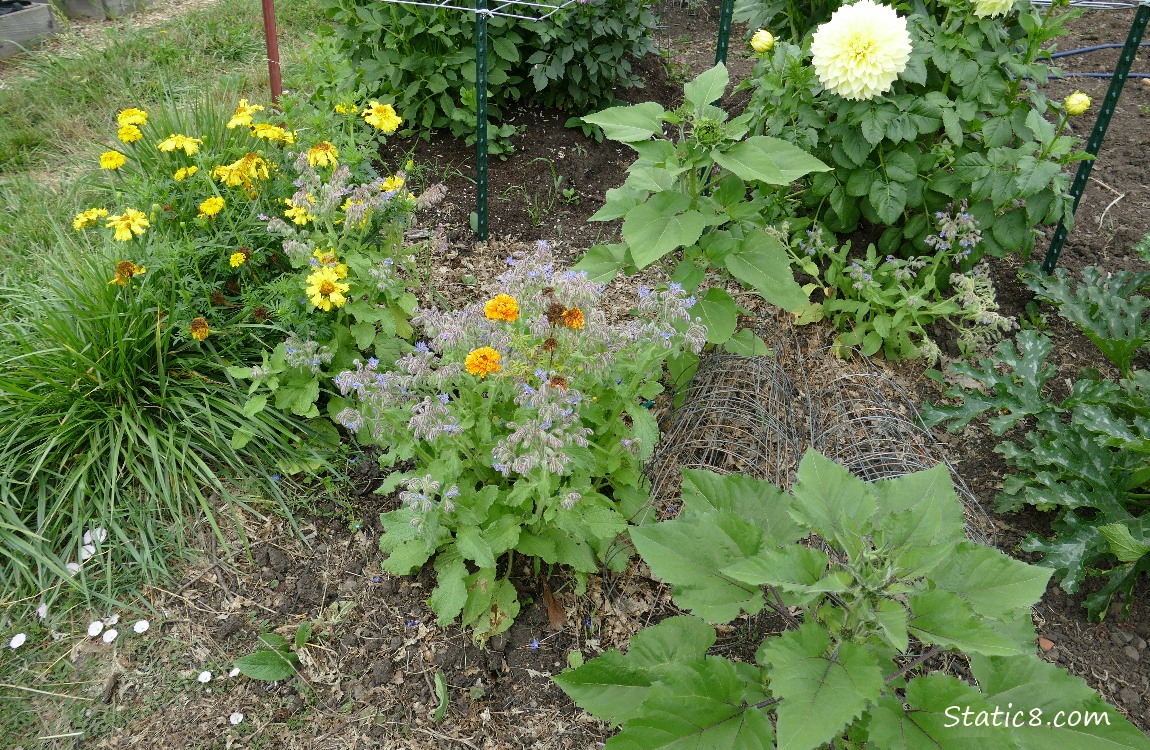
236	718
205	677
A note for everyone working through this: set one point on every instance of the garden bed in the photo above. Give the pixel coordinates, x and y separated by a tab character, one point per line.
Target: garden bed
368	680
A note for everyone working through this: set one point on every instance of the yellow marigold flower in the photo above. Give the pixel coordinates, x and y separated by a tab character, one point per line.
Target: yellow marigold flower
129	133
177	142
211	207
88	217
992	8
125	270
762	41
483	361
322	154
346	109
298	214
573	318
132	116
128	224
184	172
393	183
861	50
243	114
111	160
237	260
502	307
382	117
325	290
271	133
1076	103
199	329
328	259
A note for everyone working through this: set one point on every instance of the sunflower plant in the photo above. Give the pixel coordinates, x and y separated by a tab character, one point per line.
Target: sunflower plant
946	104
517	431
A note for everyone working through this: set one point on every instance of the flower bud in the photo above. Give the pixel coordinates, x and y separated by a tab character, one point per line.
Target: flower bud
762	41
1076	103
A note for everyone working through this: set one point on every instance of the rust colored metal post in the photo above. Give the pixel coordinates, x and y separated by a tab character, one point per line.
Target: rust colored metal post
272	38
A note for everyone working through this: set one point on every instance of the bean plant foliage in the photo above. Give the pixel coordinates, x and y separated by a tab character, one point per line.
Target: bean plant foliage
517	429
702	196
1085	456
873	581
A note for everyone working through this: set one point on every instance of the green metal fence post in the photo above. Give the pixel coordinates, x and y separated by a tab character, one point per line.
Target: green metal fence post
1129	51
481	14
724	31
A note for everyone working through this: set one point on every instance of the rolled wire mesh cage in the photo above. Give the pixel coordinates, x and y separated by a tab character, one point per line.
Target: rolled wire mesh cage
862	420
738	414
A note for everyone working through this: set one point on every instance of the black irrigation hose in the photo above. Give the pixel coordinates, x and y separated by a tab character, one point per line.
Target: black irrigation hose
1095	48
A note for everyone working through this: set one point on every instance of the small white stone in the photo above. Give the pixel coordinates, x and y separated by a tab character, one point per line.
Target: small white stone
110	635
95	628
205	677
236	718
141	626
17	640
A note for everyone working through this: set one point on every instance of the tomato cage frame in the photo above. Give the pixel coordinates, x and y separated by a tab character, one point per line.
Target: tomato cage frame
522	10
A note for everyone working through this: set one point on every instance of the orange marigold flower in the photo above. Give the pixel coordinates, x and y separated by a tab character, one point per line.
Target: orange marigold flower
502	307
573	318
199	329
483	361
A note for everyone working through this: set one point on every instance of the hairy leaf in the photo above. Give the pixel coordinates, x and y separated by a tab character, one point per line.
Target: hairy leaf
816	680
992	583
933	716
827	495
637	122
944	619
756	500
768	160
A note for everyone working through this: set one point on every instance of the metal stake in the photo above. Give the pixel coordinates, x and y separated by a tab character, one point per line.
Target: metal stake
725	14
481	118
1129	51
272	40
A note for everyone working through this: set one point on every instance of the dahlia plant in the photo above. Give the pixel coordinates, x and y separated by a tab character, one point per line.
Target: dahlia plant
518	426
919	110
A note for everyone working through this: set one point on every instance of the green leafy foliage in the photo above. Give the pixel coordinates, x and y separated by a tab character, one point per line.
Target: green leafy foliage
276	659
880	571
521	424
890	303
705	196
423	60
966	120
1087	456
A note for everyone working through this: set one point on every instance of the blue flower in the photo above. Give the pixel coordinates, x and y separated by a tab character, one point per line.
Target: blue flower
534	645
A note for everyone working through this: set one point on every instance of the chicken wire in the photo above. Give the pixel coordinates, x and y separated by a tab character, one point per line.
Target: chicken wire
738	414
756	415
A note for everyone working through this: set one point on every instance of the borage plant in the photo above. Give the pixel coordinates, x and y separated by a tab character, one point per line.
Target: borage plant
890	303
876	590
520	428
702	198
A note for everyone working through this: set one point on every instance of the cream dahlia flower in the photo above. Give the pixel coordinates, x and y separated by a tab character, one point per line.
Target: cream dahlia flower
861	50
992	8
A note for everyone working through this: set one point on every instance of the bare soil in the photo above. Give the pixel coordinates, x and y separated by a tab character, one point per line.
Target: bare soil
367	678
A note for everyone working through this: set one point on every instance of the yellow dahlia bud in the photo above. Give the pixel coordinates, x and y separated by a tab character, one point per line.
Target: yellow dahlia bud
1076	103
762	41
992	8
